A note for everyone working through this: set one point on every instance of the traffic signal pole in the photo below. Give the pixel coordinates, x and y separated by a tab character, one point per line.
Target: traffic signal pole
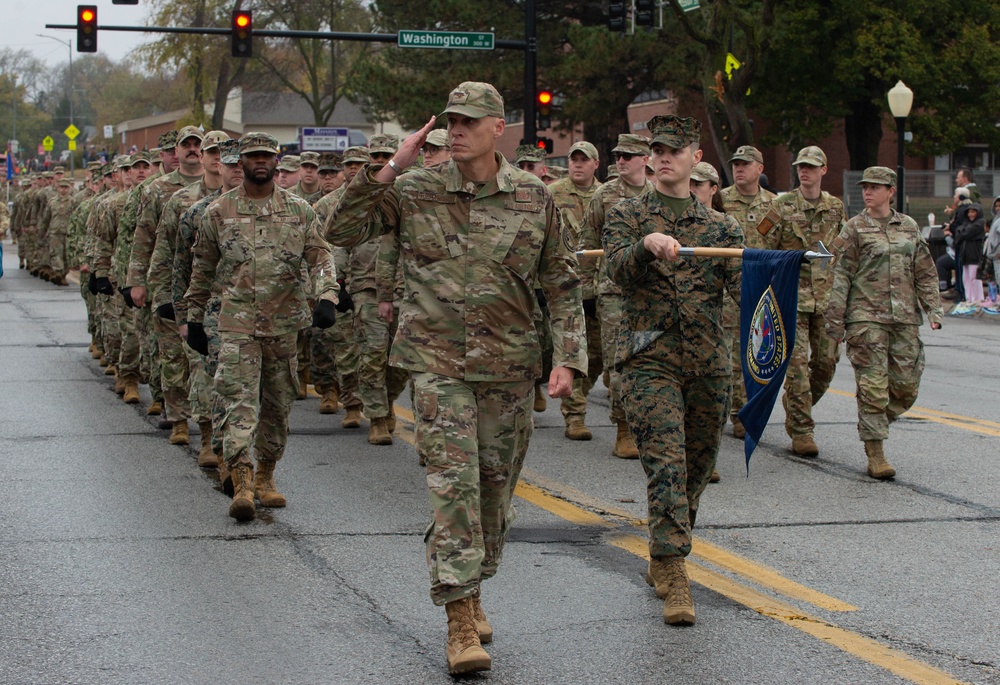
530	73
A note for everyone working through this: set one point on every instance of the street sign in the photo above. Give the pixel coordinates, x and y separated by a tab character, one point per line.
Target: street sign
47	143
71	132
456	40
688	5
71	145
732	64
15	146
324	139
109	130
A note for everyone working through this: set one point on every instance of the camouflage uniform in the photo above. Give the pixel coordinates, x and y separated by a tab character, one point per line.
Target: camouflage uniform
572	203
170	347
609	294
884	276
675	360
308	158
255	255
104	237
55	224
471	258
801	225
76	235
752	216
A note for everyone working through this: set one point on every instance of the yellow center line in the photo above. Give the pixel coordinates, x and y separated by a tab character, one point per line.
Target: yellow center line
867	649
944	418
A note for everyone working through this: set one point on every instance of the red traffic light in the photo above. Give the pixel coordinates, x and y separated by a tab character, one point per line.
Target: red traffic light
87	15
544	97
86	28
242	20
242	33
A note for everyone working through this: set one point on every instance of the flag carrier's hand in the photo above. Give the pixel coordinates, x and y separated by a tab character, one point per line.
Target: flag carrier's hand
820	252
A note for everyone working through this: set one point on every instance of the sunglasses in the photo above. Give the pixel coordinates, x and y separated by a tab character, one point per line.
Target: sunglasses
627	156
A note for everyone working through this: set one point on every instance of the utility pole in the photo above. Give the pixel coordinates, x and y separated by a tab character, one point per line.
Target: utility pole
69	44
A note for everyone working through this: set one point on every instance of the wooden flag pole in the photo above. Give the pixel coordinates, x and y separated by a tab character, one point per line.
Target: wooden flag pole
733	252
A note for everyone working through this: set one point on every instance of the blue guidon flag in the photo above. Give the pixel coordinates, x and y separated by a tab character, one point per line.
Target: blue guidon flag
768	301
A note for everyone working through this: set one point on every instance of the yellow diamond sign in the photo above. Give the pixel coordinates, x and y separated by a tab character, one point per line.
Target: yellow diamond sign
47	143
71	132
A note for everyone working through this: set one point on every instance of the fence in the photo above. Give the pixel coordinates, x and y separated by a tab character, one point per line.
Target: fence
925	192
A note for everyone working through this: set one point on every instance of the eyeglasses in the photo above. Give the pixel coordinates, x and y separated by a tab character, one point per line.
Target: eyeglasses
627	156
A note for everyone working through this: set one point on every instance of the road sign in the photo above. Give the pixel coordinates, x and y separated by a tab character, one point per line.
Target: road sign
109	130
324	139
71	145
732	64
47	143
456	40
71	132
689	5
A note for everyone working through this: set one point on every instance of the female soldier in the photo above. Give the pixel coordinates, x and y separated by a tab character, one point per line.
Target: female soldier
883	276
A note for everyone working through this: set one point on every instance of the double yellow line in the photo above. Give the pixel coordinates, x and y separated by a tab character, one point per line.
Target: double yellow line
580	509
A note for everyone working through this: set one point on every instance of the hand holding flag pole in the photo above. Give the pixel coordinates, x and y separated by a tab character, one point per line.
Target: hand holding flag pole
820	253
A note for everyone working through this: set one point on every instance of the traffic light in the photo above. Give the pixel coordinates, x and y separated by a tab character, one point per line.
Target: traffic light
618	16
644	12
242	33
86	28
544	110
546	144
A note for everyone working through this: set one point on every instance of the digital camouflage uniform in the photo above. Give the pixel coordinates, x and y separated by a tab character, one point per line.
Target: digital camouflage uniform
76	235
801	226
255	256
675	360
572	203
752	216
884	276
111	307
335	352
55	225
308	158
471	259
608	293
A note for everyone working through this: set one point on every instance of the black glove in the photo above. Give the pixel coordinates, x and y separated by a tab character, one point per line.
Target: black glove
325	314
127	296
197	340
166	311
92	283
590	307
103	286
540	296
345	303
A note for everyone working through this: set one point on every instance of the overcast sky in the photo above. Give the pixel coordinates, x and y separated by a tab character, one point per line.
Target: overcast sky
22	19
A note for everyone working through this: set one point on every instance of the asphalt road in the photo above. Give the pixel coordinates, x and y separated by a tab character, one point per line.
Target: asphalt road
119	564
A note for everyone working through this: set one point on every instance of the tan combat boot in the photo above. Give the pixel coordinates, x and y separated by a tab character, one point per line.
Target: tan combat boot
131	395
670	579
329	401
352	419
206	456
264	488
738	430
119	385
110	370
225	477
102	361
378	433
179	434
303	383
540	402
155	409
93	350
878	467
242	508
575	428
624	444
483	626
464	651
96	353
805	445
390	421
715	477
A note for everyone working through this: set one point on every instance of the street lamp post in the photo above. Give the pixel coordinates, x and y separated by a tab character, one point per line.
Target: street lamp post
900	102
72	119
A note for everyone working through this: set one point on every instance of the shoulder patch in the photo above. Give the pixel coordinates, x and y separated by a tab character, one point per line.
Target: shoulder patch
772	217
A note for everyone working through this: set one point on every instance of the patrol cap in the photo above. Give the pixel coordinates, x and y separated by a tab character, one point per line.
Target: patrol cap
584	147
65	182
879	174
474	99
168	140
632	144
47	174
123	162
673	131
703	171
141	156
383	143
256	141
438	138
189	132
155	157
212	139
356	154
747	153
613	171
289	163
310	158
555	172
59	169
229	151
331	161
529	153
811	155
93	166
108	169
